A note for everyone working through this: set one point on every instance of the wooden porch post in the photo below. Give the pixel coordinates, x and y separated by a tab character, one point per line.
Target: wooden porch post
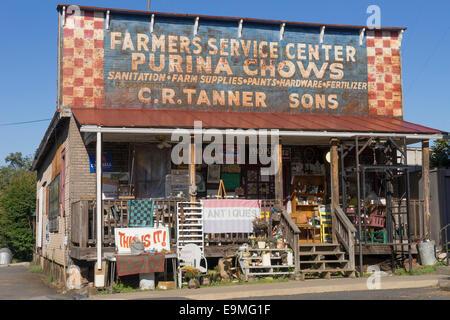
426	186
279	177
334	163
99	212
192	168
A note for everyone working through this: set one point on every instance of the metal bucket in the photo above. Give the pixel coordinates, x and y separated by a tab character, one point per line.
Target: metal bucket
427	253
137	247
5	256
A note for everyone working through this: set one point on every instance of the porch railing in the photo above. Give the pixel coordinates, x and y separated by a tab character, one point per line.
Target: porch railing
79	223
291	233
115	215
345	234
417	219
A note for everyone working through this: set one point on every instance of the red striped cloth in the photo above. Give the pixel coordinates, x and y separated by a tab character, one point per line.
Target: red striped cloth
143	263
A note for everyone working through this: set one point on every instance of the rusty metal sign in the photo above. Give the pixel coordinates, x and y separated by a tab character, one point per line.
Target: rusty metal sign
214	68
164	62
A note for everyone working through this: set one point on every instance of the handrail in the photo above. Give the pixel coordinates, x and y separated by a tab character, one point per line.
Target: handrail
345	220
445	227
291	223
291	232
446	242
345	233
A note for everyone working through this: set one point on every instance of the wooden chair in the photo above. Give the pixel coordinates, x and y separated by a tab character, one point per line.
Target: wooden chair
325	224
375	224
125	190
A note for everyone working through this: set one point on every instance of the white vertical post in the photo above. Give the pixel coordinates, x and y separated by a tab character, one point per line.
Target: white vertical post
282	30
98	170
240	28
107	20
152	23
63	16
322	33
196	26
41	214
361	36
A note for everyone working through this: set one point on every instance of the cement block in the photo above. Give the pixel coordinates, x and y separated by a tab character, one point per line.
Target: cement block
444	284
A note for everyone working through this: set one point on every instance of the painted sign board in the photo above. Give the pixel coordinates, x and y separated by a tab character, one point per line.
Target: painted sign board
216	65
230	215
107	162
153	238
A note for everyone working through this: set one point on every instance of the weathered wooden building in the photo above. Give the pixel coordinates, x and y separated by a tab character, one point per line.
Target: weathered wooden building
128	80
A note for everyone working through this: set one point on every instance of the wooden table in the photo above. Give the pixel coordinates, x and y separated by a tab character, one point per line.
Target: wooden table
311	232
111	257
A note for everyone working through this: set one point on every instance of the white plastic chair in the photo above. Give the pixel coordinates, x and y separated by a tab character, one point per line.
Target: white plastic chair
191	255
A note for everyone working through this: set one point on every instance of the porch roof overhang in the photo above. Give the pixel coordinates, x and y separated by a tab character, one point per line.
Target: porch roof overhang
58	120
150	121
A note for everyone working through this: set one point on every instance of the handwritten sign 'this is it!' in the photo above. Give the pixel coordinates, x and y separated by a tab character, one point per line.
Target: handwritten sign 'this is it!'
153	238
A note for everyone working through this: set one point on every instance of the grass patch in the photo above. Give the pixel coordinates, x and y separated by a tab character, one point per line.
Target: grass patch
242	282
119	288
123	288
419	271
35	268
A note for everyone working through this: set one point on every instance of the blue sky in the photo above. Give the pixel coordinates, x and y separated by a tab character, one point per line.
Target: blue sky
28	61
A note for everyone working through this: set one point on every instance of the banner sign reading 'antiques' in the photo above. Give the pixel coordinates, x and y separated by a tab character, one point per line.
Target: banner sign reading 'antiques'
127	61
223	216
153	238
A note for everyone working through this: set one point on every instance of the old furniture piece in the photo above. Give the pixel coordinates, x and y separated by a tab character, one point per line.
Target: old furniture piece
325	224
265	262
111	257
308	194
191	255
190	238
125	190
375	223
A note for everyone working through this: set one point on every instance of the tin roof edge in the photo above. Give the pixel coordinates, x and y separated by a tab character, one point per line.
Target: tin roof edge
209	17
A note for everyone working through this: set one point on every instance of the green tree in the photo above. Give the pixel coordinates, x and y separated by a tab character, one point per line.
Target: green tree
15	163
15	217
440	154
17	204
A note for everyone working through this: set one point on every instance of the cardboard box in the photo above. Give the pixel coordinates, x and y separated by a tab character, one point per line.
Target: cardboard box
166	285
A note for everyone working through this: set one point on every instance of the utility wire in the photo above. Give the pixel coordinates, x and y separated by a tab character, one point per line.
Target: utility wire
23	122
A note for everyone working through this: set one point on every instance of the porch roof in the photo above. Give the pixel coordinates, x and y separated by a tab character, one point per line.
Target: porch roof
150	118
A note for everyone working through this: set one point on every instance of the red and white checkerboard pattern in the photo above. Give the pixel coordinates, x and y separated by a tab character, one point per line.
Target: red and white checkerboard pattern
83	52
384	76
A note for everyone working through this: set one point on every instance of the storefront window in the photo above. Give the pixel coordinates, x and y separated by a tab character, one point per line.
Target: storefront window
53	204
152	165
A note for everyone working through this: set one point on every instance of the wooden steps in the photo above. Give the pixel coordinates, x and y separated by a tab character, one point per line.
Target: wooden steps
324	253
323	259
